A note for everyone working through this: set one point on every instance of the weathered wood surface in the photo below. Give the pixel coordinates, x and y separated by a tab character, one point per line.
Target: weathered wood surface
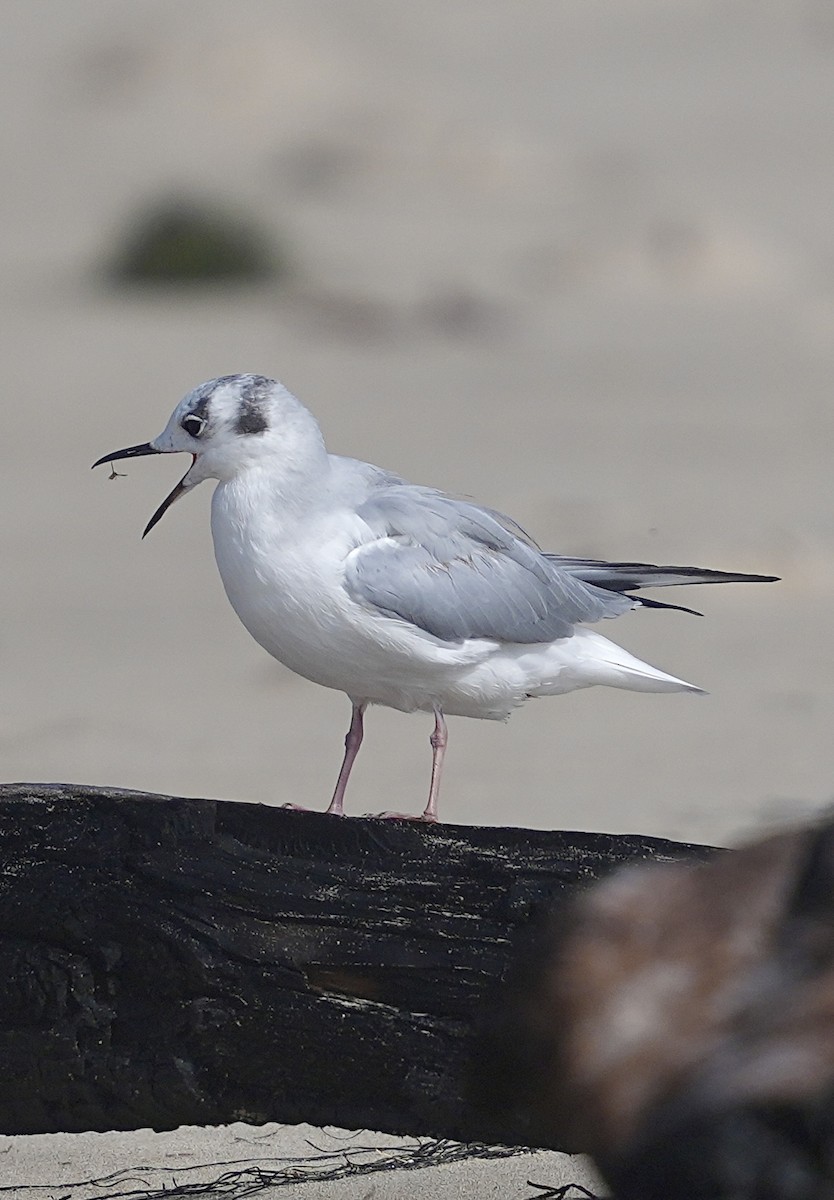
167	961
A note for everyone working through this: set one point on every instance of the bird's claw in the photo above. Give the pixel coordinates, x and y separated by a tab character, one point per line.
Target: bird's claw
398	816
329	812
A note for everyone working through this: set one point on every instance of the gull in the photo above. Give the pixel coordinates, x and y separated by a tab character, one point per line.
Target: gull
394	593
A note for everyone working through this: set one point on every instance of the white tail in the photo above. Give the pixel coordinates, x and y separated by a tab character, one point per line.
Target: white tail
598	661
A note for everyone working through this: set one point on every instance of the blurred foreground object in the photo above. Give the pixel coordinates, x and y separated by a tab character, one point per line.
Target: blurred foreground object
677	1023
185	241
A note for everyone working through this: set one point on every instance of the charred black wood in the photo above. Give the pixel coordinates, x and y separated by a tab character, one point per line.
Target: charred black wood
170	961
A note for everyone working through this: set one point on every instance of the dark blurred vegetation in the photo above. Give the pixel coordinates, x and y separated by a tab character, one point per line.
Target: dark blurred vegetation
188	242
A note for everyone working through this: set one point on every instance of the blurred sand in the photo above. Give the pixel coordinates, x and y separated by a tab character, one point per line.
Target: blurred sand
574	260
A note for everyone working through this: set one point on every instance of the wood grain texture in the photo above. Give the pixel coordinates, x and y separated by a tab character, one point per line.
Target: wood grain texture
169	961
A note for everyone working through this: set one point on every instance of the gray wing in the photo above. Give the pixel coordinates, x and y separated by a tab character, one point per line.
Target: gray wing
459	571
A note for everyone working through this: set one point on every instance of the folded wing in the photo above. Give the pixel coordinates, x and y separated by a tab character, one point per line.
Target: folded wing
454	570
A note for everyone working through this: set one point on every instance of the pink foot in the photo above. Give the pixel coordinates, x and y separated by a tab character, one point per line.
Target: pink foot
427	818
331	812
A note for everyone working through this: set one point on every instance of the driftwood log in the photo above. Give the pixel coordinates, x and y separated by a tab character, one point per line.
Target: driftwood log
167	961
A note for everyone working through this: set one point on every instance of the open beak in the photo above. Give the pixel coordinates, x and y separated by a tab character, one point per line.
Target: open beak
141	452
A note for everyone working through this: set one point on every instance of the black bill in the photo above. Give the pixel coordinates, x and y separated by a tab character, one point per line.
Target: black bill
131	452
169	500
141	452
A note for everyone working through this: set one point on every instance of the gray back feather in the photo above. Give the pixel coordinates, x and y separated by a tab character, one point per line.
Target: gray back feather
460	571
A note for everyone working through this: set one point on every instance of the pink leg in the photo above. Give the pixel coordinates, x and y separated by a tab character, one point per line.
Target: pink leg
352	743
438	741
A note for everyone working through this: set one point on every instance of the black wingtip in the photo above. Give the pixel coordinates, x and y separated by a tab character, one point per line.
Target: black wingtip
645	602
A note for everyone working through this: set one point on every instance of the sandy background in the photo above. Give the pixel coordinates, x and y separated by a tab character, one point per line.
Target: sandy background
575	260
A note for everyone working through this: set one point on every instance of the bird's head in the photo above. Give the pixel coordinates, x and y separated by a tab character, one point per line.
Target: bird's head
227	425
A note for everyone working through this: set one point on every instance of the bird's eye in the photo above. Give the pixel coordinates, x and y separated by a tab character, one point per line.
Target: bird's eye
193	425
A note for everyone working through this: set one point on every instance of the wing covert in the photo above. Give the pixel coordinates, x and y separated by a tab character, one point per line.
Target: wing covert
456	571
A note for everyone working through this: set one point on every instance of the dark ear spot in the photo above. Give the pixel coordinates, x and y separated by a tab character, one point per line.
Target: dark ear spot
250	419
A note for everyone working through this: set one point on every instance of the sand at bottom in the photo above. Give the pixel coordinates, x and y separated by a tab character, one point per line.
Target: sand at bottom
243	1160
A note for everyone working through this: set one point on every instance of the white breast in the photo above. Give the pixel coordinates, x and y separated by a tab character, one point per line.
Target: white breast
284	573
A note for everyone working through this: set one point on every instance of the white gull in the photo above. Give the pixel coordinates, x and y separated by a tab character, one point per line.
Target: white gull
394	593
